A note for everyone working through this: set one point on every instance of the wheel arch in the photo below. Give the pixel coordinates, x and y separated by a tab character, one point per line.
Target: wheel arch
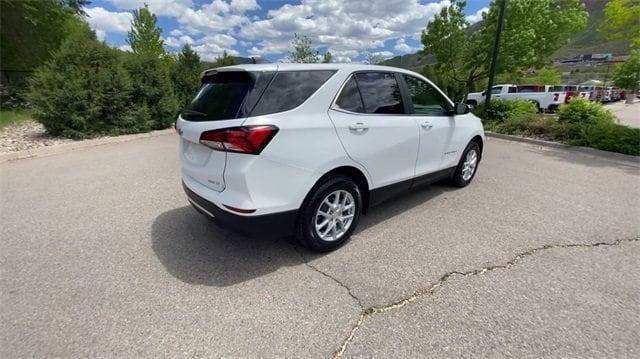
355	174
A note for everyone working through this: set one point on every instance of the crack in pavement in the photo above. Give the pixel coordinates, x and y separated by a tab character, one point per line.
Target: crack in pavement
443	279
306	262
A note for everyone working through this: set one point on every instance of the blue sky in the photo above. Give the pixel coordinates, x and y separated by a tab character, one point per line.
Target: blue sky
347	28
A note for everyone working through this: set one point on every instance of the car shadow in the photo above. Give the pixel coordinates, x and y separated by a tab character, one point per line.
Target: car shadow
195	250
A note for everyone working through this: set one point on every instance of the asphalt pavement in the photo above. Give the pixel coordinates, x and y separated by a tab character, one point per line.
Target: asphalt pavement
101	256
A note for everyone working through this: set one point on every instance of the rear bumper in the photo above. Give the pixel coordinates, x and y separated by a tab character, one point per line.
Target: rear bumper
272	224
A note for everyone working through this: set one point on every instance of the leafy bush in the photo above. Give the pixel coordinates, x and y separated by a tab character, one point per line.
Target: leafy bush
152	90
607	137
533	125
83	91
584	112
501	110
88	89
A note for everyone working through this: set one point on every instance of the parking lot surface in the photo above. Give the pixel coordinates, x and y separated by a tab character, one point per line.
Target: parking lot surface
101	255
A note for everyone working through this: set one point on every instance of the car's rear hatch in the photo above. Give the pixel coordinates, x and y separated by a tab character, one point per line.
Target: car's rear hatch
225	99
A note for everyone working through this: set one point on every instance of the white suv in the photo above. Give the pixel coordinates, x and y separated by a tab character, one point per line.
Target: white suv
304	149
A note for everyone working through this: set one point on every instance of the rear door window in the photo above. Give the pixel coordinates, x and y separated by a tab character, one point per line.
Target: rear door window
350	98
226	95
380	93
289	89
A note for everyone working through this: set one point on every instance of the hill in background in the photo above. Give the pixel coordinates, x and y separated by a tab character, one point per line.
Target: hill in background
587	41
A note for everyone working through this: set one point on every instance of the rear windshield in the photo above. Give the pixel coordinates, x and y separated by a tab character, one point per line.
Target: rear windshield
227	95
231	95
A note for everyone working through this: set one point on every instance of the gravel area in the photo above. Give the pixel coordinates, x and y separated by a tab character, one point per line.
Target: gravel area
26	135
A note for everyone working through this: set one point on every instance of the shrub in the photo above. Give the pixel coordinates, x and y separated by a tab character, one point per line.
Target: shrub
534	125
584	112
608	137
152	90
501	110
84	91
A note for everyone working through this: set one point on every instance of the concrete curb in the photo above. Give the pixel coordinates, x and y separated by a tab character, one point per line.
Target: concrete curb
614	156
74	146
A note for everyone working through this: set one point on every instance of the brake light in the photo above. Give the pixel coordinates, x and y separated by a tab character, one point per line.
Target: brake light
568	98
248	139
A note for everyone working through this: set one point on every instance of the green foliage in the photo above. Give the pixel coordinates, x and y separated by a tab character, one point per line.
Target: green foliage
627	74
152	90
224	60
584	112
186	75
622	21
606	136
547	76
327	58
373	58
500	111
84	91
533	30
31	30
453	89
88	89
532	125
302	50
144	36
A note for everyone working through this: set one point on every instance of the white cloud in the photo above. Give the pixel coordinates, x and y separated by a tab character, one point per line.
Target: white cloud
125	48
180	41
349	28
341	25
242	6
472	19
104	21
159	7
209	52
402	47
176	32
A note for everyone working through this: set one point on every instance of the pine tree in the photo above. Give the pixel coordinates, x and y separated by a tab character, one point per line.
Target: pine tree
144	36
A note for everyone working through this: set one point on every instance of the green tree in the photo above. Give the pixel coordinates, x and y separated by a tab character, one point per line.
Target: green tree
224	60
627	74
622	21
302	50
186	75
547	76
84	91
533	30
373	58
144	36
31	31
327	58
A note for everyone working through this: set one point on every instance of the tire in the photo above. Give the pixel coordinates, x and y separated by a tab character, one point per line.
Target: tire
460	177
309	216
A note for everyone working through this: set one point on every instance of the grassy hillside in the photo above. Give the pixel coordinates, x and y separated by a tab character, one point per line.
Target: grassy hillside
586	41
589	40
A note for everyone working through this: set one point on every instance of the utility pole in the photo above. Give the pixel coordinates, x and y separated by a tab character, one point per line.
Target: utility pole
496	48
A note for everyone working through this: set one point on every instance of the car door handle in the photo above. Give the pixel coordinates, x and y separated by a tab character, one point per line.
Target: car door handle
358	127
426	125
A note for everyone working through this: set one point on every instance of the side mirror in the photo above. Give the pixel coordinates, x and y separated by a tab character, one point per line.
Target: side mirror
461	109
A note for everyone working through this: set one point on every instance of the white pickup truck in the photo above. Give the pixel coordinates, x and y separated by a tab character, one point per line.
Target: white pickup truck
546	97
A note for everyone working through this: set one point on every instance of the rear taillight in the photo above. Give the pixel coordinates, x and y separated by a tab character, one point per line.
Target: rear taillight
248	139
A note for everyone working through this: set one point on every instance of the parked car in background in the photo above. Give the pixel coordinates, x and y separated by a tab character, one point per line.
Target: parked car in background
304	149
546	97
611	94
574	91
596	93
